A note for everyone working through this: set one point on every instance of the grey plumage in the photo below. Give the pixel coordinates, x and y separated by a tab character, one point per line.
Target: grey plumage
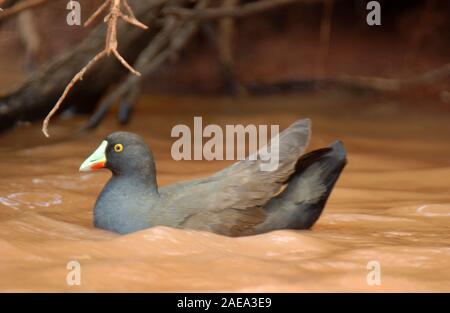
239	200
301	203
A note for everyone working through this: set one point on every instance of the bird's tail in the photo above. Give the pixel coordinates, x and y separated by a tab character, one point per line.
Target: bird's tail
300	204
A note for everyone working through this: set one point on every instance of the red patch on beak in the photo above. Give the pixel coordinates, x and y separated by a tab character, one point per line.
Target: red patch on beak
98	165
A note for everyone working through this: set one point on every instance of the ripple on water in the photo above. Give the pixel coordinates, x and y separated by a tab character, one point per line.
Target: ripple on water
76	182
434	210
422	210
30	200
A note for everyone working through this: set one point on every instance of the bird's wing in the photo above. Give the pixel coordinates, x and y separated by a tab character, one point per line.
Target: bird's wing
235	195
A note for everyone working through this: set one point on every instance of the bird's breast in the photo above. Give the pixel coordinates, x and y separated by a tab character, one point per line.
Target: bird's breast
122	207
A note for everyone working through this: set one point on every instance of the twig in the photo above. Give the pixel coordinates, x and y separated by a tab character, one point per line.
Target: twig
75	79
111	19
376	84
150	60
128	8
21	6
238	12
148	56
394	84
127	103
96	13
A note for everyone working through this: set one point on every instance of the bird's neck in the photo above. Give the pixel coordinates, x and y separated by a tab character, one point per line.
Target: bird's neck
125	203
139	180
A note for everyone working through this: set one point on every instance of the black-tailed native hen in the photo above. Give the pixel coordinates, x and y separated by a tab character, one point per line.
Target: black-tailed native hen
239	200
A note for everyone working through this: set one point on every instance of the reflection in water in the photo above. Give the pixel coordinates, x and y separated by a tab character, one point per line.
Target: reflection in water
391	205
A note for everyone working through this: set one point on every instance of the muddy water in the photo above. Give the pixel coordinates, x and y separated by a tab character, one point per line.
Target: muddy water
392	205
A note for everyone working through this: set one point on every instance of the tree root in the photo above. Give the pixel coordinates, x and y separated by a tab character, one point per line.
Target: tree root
143	53
35	97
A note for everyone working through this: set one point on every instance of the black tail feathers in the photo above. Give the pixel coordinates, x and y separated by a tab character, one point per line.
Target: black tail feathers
301	203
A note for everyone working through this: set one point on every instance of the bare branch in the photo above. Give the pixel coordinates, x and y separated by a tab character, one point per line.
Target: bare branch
127	104
128	9
148	60
132	21
174	35
75	79
394	84
238	12
96	13
110	48
21	6
125	63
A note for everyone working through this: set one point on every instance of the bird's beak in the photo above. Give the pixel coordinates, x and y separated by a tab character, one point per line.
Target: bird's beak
96	160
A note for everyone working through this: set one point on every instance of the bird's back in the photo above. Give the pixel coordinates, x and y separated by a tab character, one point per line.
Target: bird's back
231	201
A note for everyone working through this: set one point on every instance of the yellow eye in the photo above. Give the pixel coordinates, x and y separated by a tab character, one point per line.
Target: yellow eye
118	147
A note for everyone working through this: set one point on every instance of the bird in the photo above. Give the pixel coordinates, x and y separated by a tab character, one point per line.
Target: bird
240	200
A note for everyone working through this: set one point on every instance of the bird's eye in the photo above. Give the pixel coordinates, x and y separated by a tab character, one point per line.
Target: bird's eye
118	147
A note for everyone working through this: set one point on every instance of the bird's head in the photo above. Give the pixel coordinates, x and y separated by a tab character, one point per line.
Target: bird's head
122	153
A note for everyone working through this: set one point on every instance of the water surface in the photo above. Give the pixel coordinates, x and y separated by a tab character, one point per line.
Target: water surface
391	205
